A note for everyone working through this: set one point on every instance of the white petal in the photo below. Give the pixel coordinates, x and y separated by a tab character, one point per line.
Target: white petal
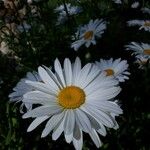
104	118
107	106
48	80
69	137
83	121
59	72
53	76
82	75
94	136
91	76
41	87
102	130
97	125
69	122
58	131
37	97
42	111
36	122
77	132
78	144
76	69
68	72
104	94
52	123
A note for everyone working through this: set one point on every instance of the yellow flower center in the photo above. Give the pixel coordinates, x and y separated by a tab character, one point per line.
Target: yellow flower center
147	24
71	97
109	72
147	51
88	35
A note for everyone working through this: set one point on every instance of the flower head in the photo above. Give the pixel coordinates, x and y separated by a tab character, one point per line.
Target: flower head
141	61
139	49
87	34
73	100
71	10
146	10
117	1
144	24
22	88
116	68
24	27
135	5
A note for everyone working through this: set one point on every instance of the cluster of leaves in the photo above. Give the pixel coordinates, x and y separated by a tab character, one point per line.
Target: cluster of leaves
45	41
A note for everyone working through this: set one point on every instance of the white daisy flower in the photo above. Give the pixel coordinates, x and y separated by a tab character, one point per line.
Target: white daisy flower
116	68
22	88
135	5
146	10
117	1
87	34
73	99
72	10
144	24
24	27
141	61
139	49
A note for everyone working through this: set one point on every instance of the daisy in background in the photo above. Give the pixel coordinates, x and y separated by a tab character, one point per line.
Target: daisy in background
22	88
73	100
87	34
144	24
71	10
146	10
117	1
141	61
116	68
24	27
142	49
135	5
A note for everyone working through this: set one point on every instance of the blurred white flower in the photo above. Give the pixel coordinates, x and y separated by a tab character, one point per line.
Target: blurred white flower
71	10
116	68
88	33
135	5
146	10
22	88
117	1
4	49
139	49
24	27
74	100
141	61
144	24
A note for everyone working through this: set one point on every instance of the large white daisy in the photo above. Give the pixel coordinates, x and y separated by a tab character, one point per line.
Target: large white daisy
22	88
139	49
116	68
73	99
88	33
144	24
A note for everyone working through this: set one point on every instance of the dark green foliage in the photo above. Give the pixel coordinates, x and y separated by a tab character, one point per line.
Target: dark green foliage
45	41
